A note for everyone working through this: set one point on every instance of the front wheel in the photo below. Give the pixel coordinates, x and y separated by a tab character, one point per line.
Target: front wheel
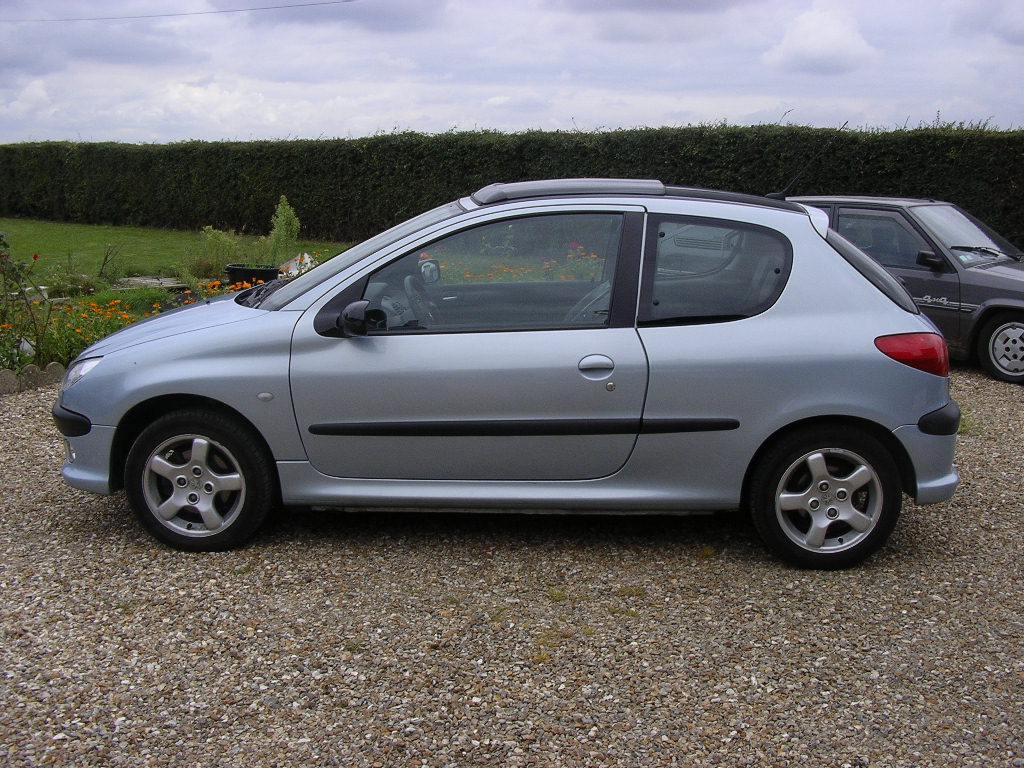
199	480
825	497
1001	347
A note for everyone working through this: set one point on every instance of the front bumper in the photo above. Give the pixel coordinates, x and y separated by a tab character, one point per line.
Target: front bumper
87	466
88	447
69	423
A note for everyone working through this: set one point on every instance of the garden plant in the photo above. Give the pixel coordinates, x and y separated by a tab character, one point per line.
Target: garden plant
50	312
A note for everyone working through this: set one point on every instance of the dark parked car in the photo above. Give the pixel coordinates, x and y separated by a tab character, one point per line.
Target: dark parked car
966	277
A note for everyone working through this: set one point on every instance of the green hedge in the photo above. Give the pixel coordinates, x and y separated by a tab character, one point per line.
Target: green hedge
348	189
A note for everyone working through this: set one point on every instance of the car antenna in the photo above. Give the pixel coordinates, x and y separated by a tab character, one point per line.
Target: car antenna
782	195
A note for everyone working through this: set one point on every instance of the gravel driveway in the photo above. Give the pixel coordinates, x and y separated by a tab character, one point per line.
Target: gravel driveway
501	640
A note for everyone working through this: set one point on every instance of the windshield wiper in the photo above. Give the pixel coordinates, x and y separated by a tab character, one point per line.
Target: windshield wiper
986	249
255	296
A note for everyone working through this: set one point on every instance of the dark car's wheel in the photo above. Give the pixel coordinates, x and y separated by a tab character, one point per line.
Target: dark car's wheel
1001	347
199	480
825	497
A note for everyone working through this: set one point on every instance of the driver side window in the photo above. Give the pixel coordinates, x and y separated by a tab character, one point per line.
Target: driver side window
534	272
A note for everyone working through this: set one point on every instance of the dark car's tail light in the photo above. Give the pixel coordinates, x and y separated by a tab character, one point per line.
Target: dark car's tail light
925	351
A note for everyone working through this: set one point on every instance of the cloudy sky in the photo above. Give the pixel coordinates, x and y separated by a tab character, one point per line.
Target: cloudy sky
363	67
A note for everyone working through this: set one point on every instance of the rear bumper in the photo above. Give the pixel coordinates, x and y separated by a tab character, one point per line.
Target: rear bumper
932	455
945	421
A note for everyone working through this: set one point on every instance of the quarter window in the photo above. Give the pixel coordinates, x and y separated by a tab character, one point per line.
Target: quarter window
707	270
545	271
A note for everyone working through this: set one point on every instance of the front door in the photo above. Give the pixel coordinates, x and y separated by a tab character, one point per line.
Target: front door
502	361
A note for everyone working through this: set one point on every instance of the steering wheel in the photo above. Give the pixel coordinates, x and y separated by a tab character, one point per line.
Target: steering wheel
593	306
419	300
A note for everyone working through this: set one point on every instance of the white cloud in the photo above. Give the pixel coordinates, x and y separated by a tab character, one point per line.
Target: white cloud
30	100
822	40
369	66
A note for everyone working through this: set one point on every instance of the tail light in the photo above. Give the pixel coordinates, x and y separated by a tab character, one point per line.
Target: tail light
925	351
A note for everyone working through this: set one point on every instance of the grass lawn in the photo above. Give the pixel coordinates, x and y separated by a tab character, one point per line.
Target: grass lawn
142	251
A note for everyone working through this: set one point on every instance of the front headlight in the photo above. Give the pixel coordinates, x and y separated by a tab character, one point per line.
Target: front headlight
78	370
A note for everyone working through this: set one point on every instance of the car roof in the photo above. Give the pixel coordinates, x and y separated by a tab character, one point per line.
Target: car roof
866	200
521	190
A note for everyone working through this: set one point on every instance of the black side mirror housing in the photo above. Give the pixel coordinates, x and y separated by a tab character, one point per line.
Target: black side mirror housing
352	320
931	260
357	319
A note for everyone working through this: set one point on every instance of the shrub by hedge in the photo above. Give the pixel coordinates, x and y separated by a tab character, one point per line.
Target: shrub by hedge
348	189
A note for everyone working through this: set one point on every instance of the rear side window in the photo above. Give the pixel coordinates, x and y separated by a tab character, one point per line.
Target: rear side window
873	271
700	270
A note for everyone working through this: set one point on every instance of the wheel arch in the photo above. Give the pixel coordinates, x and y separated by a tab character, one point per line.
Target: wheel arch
986	314
889	441
145	413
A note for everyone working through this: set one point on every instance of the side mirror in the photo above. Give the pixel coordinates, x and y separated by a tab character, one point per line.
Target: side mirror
352	320
357	319
430	270
931	260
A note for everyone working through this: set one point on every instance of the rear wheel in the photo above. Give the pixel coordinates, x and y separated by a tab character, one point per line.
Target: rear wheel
825	497
1001	347
199	480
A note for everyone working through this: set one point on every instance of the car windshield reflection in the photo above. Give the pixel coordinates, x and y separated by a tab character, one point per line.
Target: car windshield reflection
972	242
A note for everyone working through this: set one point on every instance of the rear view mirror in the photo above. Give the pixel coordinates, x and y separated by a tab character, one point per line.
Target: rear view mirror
430	270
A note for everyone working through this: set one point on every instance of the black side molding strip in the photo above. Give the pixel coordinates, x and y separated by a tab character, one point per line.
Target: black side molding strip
945	421
69	423
665	426
520	428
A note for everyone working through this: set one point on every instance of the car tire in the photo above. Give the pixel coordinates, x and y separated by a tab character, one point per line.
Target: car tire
199	480
1001	347
825	497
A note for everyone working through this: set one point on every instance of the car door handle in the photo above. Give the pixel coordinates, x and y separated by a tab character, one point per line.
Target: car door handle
596	363
596	367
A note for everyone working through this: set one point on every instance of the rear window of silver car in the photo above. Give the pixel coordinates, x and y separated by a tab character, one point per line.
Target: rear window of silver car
710	270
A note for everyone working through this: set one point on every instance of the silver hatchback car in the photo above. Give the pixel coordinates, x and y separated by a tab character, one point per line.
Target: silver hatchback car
580	344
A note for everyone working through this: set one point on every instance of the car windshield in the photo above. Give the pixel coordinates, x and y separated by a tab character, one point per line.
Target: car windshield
302	283
971	241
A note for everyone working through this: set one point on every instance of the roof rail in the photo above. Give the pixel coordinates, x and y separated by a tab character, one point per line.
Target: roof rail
494	193
698	193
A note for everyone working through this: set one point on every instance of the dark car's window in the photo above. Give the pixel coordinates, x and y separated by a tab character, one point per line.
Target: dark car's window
871	270
886	236
544	271
709	270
